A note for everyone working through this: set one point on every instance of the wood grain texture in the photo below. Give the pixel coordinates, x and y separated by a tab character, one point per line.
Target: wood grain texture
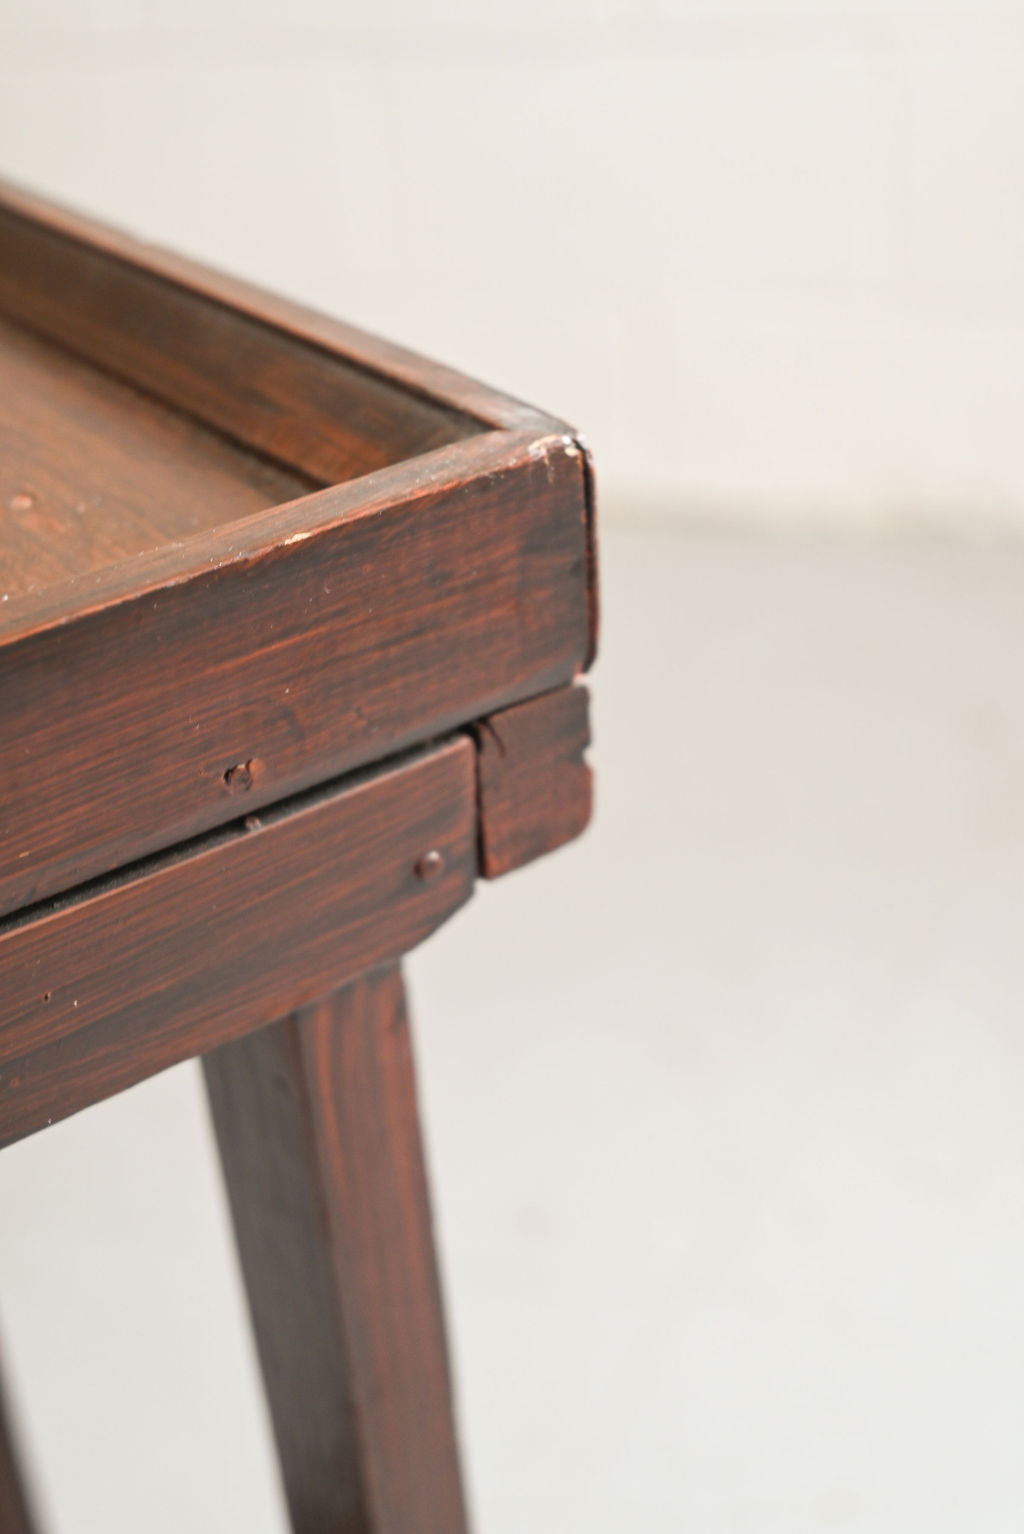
535	787
86	285
117	982
28	219
345	631
207	651
198	634
93	472
317	1125
303	406
15	1514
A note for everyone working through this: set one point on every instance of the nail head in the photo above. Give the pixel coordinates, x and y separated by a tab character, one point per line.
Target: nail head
430	864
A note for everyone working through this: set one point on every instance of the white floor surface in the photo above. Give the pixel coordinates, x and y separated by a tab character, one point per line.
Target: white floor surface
724	1106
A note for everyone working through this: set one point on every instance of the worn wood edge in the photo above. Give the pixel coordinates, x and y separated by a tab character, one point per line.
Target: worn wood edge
358	617
534	785
271	532
406	370
593	571
67	1032
400	366
295	403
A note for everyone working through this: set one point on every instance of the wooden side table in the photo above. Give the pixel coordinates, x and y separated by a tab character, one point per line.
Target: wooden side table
290	628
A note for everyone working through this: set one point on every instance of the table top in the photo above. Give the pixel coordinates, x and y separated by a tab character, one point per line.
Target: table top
245	549
289	625
93	471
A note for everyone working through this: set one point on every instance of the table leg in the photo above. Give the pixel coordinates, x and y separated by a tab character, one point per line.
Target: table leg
319	1138
14	1509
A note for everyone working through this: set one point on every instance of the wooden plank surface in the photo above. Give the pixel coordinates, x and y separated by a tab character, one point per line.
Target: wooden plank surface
535	787
280	647
332	640
120	981
319	1138
92	471
76	279
30	221
303	405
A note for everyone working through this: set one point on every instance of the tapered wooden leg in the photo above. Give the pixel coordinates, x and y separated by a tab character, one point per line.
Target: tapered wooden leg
319	1138
14	1509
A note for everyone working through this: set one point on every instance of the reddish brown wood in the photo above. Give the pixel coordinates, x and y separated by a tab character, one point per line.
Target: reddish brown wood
93	472
348	401
196	631
309	640
30	222
186	639
534	785
592	580
303	406
15	1514
104	988
317	1124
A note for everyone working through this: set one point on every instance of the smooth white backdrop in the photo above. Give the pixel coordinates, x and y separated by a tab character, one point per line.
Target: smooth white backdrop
766	253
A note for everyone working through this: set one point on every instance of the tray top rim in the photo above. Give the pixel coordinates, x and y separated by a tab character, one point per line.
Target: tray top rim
485	424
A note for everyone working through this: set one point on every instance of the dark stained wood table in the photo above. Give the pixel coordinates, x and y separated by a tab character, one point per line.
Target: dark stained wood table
291	623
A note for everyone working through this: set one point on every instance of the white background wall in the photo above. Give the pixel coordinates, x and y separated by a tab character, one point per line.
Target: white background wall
766	253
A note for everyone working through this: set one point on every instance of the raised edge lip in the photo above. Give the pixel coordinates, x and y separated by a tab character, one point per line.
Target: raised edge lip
263	534
359	348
